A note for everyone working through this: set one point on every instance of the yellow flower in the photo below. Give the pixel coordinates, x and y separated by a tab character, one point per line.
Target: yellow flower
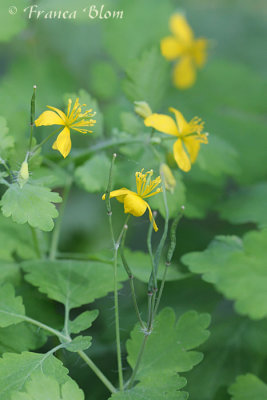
192	52
186	147
134	202
74	119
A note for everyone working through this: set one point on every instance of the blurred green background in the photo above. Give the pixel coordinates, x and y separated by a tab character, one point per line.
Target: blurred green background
225	193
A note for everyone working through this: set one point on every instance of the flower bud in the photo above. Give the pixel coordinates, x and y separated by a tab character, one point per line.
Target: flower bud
23	174
169	179
142	108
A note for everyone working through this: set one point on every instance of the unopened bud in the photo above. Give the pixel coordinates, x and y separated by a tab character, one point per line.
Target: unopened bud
169	179
142	108
23	174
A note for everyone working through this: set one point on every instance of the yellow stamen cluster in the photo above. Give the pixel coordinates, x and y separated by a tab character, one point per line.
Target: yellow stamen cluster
77	120
145	187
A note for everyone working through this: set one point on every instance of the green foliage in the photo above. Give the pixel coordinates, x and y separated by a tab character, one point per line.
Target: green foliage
9	273
157	388
247	387
15	240
42	387
79	343
11	307
72	283
237	269
91	176
16	371
140	265
247	204
21	337
32	204
236	345
146	79
103	80
169	350
83	321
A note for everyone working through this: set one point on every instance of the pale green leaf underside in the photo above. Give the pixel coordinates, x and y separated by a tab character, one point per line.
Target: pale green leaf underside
72	283
248	387
83	321
238	270
79	343
32	204
17	369
43	387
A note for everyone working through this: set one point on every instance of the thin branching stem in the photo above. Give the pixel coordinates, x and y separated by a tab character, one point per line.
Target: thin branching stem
116	245
130	276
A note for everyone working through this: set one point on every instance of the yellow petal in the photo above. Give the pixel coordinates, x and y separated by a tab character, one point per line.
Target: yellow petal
63	142
180	156
59	112
49	118
184	74
200	51
134	204
180	28
119	194
192	145
181	122
152	218
171	48
162	123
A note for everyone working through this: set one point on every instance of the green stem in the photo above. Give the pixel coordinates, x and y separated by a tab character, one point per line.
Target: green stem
82	256
32	117
83	156
138	361
45	140
65	338
36	242
56	232
169	256
117	320
153	279
97	371
130	276
115	266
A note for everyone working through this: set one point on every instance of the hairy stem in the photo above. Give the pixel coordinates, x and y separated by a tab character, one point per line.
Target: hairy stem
115	269
138	361
67	339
